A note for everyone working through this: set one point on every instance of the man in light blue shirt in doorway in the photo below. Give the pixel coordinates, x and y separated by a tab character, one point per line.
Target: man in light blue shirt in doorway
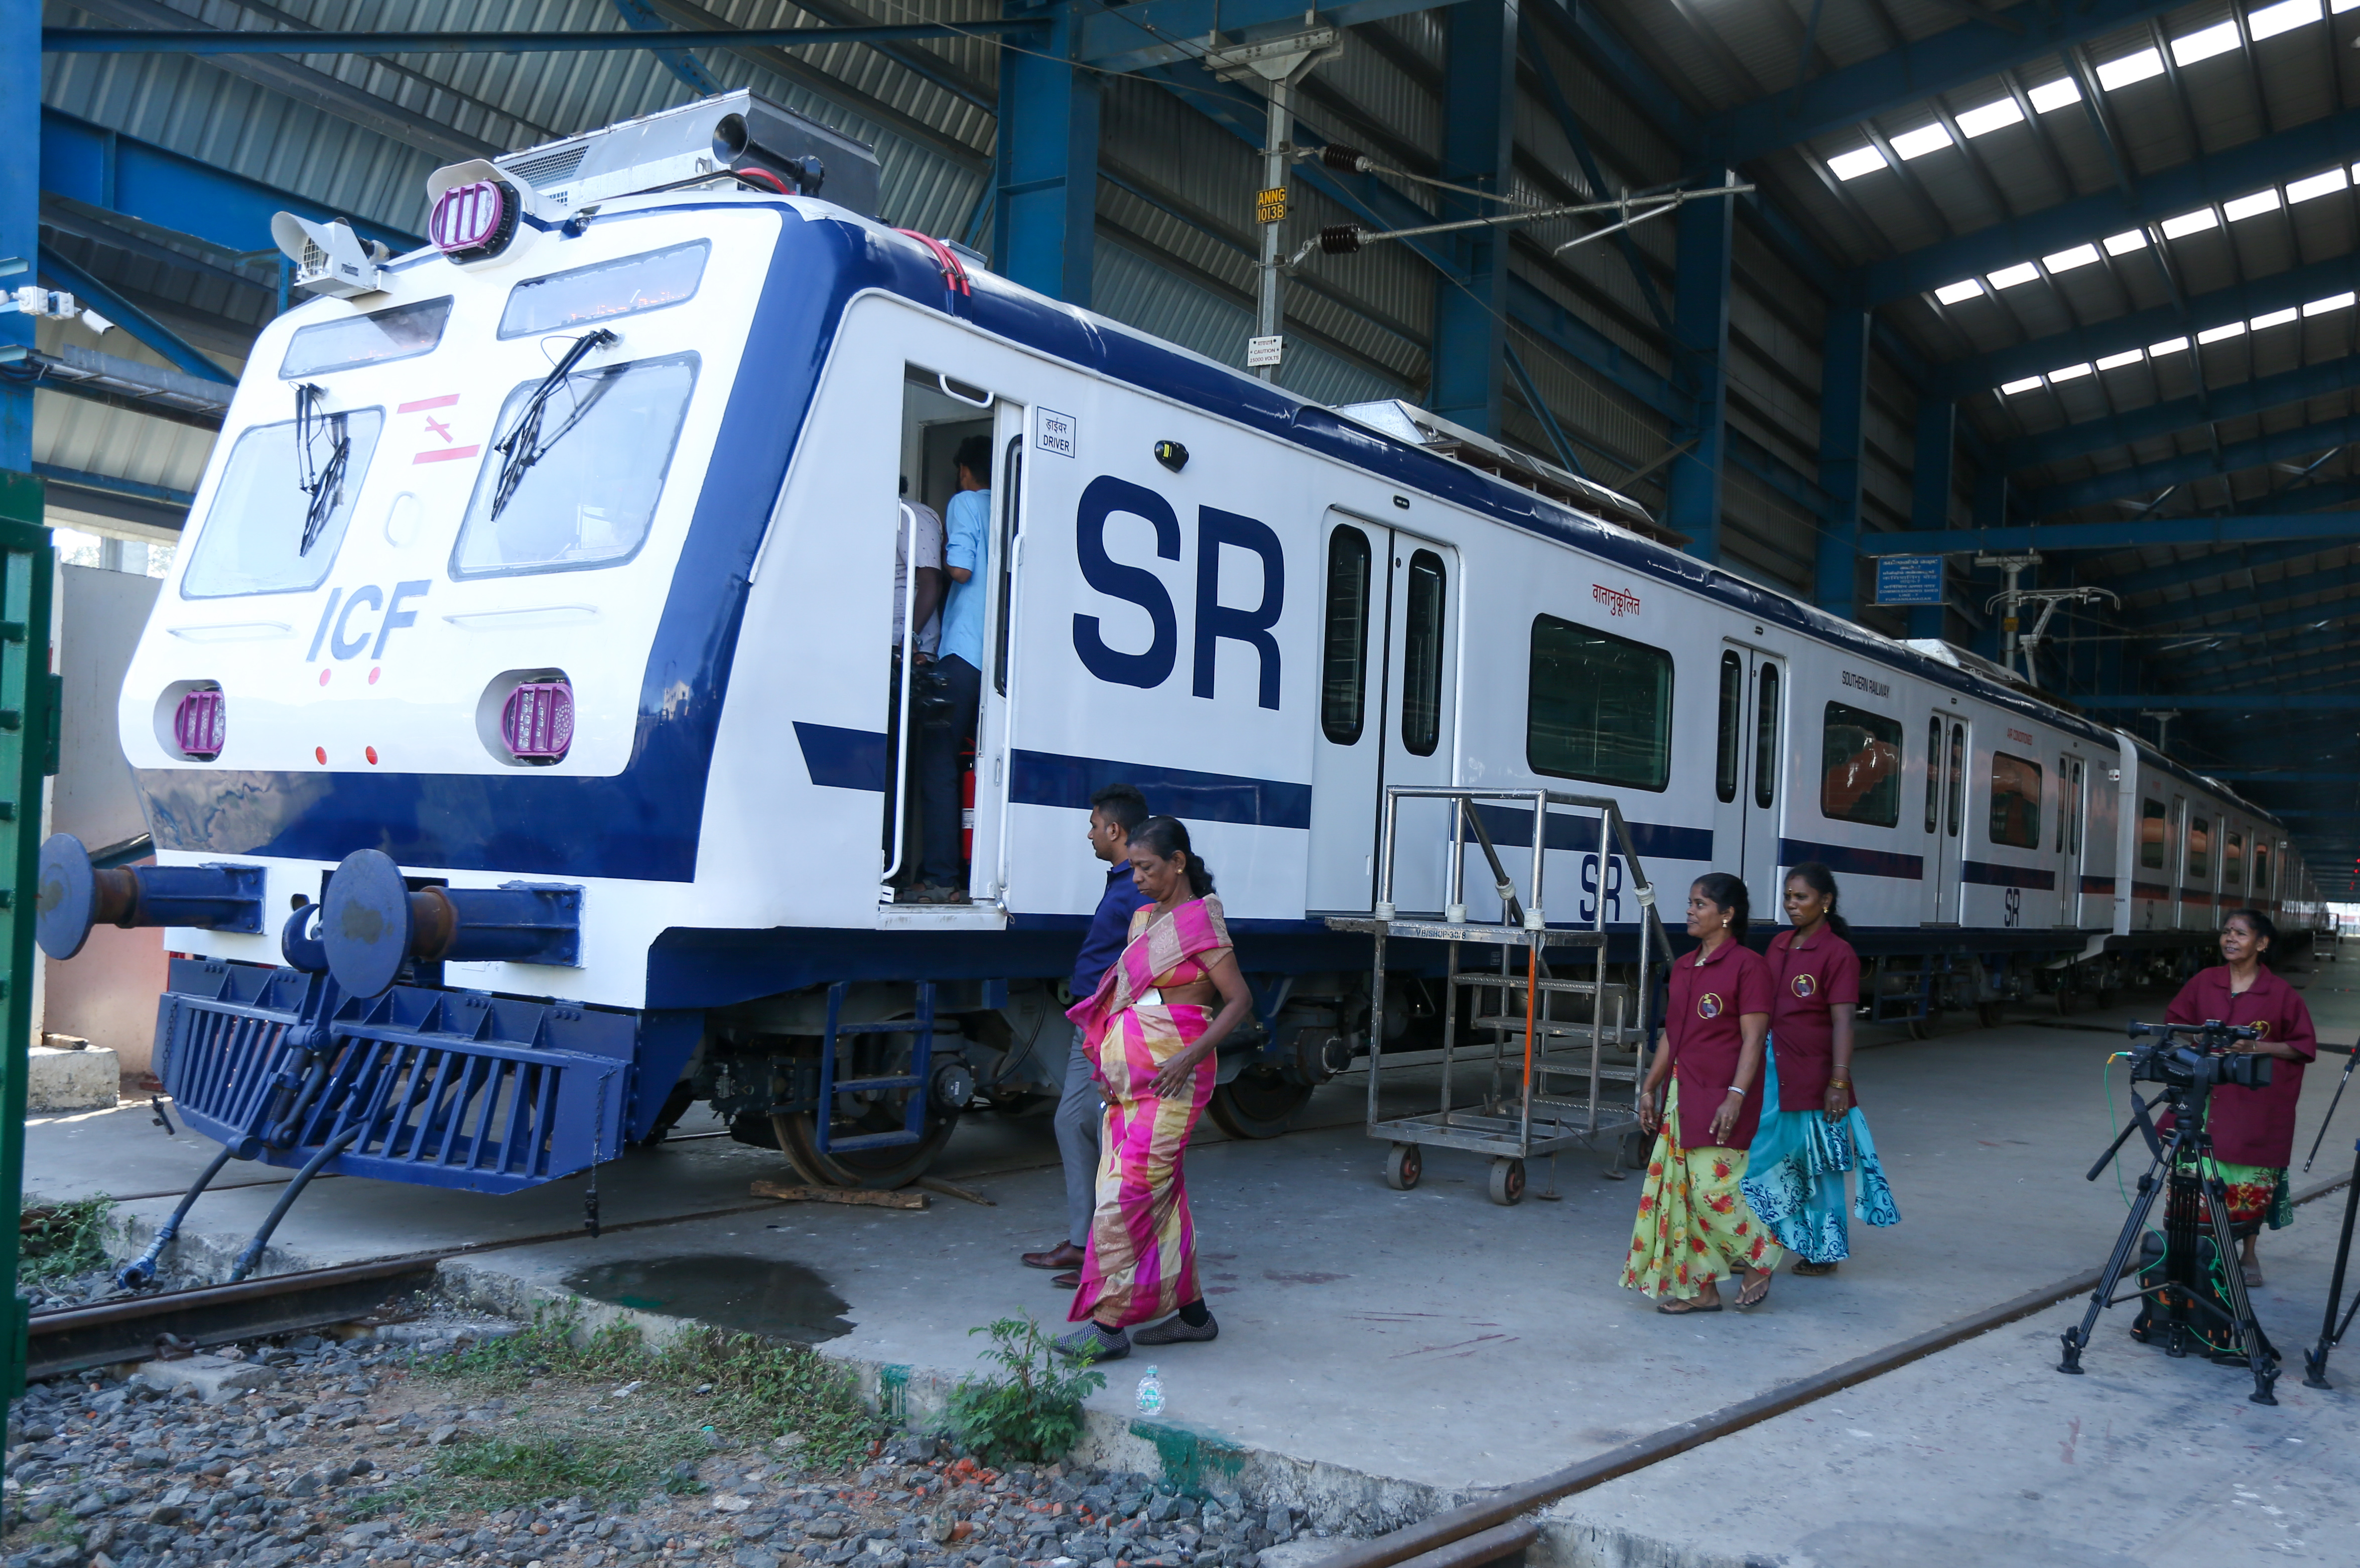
967	561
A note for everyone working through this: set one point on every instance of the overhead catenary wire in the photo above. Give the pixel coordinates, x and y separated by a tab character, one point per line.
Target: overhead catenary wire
1343	239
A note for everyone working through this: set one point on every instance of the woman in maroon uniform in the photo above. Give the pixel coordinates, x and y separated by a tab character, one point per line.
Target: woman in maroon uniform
1693	1223
2253	1129
1811	1131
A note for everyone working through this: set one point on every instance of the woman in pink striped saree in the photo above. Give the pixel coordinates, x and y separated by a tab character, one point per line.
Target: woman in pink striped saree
1150	1030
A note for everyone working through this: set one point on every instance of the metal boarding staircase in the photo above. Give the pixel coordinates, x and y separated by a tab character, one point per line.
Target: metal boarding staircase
1544	1068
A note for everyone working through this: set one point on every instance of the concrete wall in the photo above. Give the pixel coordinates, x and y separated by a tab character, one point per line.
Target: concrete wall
107	994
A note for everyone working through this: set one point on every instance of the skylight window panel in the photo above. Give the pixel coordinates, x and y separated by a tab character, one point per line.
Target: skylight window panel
2126	242
2276	318
2009	277
2203	44
2116	74
1995	115
2070	373
2218	333
2052	96
2343	301
1964	289
2066	260
2030	383
1923	140
2271	20
2340	6
2325	184
1859	161
2170	344
2252	206
2197	222
2116	361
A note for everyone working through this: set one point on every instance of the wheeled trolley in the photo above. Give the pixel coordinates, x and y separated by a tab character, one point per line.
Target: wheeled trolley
1558	1059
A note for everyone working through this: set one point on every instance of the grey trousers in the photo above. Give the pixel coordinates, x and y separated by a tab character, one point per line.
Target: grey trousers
1081	1111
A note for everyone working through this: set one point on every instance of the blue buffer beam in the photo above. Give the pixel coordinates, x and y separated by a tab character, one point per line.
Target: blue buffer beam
1843	399
1047	162
1701	283
1478	102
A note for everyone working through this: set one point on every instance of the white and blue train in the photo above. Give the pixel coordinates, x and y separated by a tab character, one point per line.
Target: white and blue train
515	727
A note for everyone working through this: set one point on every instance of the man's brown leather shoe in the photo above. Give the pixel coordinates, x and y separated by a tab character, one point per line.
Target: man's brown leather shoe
1065	1255
1070	1280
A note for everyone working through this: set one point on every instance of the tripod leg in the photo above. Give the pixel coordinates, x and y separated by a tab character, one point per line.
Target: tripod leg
2078	1338
2314	1362
2259	1355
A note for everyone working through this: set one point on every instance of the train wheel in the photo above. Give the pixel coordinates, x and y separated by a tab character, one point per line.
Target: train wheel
1258	1103
895	1166
1405	1164
1507	1181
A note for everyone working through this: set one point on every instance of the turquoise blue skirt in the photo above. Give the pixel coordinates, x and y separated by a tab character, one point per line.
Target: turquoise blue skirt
1795	1175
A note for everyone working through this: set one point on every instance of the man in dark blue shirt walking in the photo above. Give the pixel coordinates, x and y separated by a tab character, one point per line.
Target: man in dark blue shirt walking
1115	811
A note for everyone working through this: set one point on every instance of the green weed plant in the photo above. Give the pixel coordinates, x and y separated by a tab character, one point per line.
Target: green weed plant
1031	1411
57	1241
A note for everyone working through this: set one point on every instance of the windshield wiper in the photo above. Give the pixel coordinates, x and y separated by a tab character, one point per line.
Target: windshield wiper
323	482
522	446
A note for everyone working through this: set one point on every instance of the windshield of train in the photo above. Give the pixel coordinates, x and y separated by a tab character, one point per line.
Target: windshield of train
576	469
253	539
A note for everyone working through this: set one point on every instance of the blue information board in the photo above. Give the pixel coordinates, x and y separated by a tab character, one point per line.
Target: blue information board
1909	579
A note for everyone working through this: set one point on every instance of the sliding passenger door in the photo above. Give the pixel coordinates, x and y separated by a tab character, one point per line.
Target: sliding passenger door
1946	806
1749	770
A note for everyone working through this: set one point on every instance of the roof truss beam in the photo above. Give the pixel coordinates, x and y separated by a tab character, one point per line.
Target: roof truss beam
2140	479
2158	420
2342	527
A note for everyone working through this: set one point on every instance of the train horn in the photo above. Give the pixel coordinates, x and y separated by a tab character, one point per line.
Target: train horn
74	895
372	922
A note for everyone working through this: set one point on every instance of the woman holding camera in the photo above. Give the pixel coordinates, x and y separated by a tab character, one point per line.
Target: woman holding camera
1693	1222
2253	1129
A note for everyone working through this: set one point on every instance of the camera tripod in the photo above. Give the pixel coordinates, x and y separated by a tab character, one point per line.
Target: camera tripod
2181	1158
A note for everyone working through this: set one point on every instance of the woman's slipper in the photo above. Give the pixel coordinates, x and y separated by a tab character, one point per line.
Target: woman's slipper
1681	1307
1807	1267
1756	1291
2253	1273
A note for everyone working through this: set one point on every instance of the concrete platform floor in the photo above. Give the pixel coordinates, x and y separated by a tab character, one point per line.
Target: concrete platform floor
1404	1345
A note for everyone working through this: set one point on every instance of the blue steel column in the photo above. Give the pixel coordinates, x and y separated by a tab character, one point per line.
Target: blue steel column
1479	105
20	205
1843	399
1048	165
1990	512
1701	321
1931	479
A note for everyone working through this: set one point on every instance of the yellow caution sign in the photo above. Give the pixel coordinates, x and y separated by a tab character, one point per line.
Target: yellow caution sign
1270	206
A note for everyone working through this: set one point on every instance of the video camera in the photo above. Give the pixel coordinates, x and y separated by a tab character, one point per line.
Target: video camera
2185	1055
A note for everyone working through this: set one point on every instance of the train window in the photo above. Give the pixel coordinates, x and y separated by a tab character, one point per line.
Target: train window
1344	669
2154	829
252	540
2064	809
1733	715
1957	785
605	440
2261	871
2076	807
2199	850
2014	801
377	338
1933	773
1765	735
1860	767
605	290
1600	706
2233	863
1421	719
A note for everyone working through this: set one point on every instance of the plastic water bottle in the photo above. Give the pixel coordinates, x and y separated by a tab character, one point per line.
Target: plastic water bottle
1150	1394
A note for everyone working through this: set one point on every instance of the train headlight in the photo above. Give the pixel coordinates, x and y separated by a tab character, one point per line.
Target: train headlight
199	724
475	220
537	720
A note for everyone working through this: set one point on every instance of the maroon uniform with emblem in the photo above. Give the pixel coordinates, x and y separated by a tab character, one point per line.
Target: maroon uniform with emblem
1700	1031
1811	976
2253	1127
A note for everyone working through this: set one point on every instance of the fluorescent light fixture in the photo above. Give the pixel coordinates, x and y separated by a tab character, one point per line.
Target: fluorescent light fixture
2197	222
2252	206
1995	115
2203	44
2053	95
2116	361
2275	318
2066	260
2343	301
2032	383
1859	161
1964	289
2316	185
2271	20
2009	277
1923	140
2168	346
2218	333
2128	240
2070	373
2120	73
